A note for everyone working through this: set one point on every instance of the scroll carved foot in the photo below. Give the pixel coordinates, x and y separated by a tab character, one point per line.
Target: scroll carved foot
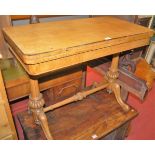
116	89
111	77
44	124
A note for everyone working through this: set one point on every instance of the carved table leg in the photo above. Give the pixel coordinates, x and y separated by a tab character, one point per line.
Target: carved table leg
36	103
111	76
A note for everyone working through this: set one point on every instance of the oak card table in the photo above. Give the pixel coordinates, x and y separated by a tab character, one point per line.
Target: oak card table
47	47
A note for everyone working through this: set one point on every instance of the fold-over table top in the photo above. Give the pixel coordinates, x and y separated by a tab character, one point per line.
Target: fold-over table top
35	43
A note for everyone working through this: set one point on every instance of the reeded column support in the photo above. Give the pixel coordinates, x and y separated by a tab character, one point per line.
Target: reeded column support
36	103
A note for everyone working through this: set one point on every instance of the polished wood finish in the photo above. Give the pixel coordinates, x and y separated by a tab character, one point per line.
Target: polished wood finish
112	76
57	86
72	29
36	103
6	20
47	47
7	128
19	87
145	72
95	117
22	17
4	51
63	89
77	97
72	41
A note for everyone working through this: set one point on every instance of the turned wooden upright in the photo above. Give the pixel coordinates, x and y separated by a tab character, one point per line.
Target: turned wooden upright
47	47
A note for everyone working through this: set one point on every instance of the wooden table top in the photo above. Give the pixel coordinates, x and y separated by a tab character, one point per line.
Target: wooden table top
50	46
34	39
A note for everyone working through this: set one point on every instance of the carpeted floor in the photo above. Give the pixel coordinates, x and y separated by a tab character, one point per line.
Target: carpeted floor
142	127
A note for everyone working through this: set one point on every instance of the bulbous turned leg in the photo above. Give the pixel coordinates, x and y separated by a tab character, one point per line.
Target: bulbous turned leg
36	103
112	76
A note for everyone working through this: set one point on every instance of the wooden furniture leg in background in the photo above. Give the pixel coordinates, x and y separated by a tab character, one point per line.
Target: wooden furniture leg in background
84	74
112	85
112	75
36	103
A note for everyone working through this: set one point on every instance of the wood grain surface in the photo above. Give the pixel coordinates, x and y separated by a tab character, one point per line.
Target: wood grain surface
46	47
91	118
7	128
5	21
53	36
